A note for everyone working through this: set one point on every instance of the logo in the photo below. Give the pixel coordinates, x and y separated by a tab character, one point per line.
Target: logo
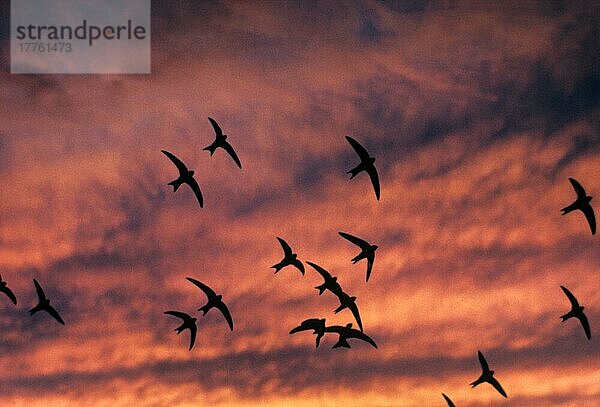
80	36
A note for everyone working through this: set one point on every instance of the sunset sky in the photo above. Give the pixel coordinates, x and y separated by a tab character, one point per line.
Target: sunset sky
477	116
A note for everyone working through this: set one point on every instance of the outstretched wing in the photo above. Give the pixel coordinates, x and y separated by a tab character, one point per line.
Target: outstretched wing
178	314
321	271
356	314
298	264
360	150
484	364
38	288
196	188
287	250
225	311
178	163
10	294
571	297
372	171
314	324
363	244
497	386
450	403
207	290
50	309
585	324
217	128
193	331
588	211
353	333
232	153
370	260
578	188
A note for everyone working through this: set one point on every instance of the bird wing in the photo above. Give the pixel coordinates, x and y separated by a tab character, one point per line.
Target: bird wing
10	294
287	250
578	188
497	386
586	325
354	333
178	163
450	403
193	331
320	270
370	260
571	297
227	147
356	240
178	314
298	264
50	309
196	188
312	323
588	211
217	128
207	290
372	171
360	150
484	365
38	288
356	314
225	311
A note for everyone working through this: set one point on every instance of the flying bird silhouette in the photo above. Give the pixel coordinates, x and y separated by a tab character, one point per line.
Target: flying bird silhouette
214	301
221	141
487	375
366	164
289	258
347	332
349	302
185	177
44	304
367	251
330	283
583	204
450	403
189	322
577	312
314	324
4	288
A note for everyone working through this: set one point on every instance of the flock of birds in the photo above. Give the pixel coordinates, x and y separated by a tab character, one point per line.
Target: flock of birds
330	283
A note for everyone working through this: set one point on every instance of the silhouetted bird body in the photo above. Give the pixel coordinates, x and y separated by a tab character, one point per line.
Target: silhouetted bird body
189	322
289	258
185	177
314	324
330	282
221	141
582	203
450	403
44	304
487	375
4	288
576	312
347	332
214	301
367	251
367	164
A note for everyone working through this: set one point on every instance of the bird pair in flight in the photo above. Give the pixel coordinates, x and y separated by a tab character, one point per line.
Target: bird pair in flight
214	301
186	176
43	301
